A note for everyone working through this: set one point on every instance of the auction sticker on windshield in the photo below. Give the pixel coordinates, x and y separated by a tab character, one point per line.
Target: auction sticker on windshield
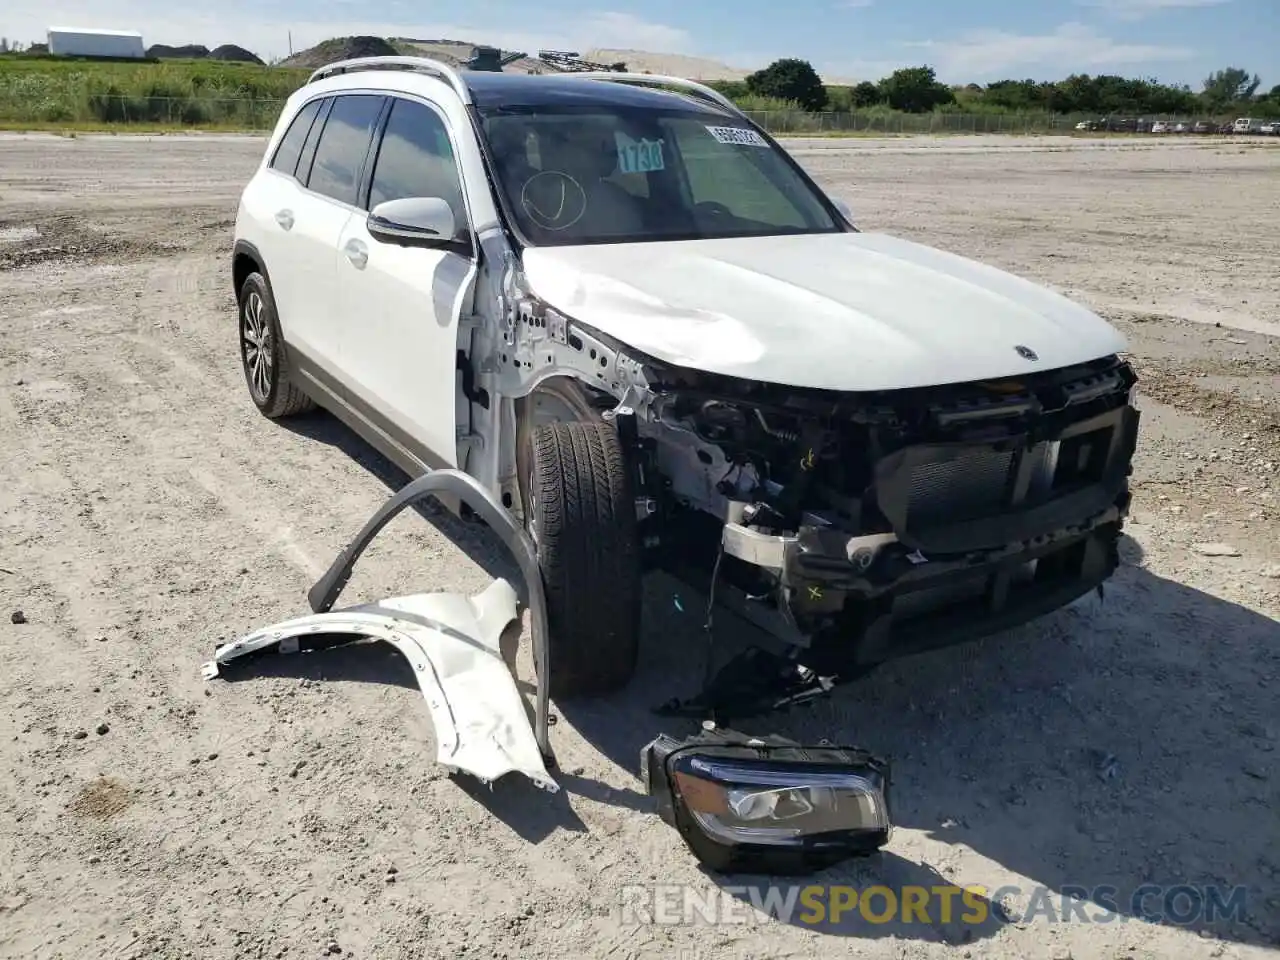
638	156
739	135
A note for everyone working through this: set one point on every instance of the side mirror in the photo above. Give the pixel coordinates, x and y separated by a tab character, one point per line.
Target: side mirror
767	805
413	221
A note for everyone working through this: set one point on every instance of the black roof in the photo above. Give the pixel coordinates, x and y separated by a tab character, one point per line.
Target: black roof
564	90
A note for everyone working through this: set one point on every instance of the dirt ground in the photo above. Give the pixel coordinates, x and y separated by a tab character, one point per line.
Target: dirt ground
147	512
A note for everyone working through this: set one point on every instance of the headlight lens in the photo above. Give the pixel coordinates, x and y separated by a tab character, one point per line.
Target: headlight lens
744	802
778	806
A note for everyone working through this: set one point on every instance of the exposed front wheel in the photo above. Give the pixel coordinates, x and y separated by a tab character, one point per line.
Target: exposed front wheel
580	511
262	353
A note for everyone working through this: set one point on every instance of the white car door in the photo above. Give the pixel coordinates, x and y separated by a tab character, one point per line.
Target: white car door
270	208
402	305
326	201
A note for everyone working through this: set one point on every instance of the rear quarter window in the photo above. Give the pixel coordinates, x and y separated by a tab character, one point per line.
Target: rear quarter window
290	147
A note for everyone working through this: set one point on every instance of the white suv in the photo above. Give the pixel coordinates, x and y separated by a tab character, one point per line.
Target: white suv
625	310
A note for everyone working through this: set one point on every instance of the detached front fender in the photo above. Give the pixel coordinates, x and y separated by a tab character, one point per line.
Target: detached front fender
453	645
452	642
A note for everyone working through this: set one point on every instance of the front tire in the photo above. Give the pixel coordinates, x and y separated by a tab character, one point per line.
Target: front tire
581	512
263	356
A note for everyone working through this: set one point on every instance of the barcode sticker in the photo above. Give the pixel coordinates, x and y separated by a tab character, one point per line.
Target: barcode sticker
738	135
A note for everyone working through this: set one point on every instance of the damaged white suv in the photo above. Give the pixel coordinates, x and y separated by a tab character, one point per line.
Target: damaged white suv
630	314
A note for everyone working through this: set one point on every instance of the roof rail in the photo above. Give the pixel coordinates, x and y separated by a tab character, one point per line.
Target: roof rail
702	91
434	68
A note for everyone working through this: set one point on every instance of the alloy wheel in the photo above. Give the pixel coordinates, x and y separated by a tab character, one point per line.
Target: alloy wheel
256	346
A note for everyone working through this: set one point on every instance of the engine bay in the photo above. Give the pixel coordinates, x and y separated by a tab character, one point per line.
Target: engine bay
816	515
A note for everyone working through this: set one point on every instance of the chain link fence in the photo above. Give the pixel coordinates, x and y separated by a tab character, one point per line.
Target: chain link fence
19	106
892	122
240	113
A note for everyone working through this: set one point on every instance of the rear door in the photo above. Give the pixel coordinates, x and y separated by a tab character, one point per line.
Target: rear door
401	305
271	203
327	201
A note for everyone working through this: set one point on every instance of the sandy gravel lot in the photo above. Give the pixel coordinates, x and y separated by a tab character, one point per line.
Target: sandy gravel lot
147	512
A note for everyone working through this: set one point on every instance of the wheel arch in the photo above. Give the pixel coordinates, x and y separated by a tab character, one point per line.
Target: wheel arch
246	259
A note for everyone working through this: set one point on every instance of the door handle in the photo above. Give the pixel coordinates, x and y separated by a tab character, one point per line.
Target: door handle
357	253
285	219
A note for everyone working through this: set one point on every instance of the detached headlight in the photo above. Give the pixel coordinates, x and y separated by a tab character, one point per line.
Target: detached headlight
768	805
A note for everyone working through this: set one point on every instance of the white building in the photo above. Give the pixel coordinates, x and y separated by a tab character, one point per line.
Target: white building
72	42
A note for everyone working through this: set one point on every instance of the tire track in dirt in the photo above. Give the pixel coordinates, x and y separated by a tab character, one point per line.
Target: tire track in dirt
163	439
233	857
601	817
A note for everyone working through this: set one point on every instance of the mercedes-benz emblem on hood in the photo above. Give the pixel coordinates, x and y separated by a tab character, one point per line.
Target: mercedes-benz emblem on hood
1026	353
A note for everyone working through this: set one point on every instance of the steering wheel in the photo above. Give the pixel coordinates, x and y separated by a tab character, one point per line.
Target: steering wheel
553	200
713	208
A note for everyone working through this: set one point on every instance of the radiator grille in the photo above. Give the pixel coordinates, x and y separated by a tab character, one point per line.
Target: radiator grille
967	487
976	484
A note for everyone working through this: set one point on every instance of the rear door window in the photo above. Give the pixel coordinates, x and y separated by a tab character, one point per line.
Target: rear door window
290	147
343	146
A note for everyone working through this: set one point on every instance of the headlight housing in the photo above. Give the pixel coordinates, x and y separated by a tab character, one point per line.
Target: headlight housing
749	805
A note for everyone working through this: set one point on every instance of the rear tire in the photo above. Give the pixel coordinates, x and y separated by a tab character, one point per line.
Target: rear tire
263	354
581	512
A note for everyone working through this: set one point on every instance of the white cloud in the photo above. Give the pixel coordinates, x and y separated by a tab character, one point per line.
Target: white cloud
626	31
978	55
266	31
1141	9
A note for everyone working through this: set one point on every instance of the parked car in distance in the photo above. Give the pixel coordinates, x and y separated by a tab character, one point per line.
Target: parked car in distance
1269	129
633	317
1247	125
1159	126
1204	126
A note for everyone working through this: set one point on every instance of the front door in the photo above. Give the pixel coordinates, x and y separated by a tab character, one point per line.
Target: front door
402	305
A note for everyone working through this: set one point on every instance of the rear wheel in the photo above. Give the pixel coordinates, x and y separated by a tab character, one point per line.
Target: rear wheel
262	353
580	512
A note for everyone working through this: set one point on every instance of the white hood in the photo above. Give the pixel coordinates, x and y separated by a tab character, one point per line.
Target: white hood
846	311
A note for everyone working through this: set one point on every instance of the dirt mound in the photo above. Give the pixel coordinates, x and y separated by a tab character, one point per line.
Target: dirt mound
66	239
340	48
102	799
229	51
190	51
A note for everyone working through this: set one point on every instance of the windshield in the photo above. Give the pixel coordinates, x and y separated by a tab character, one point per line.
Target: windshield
612	175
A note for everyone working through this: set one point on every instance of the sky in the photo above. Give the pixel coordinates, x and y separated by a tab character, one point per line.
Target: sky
1175	41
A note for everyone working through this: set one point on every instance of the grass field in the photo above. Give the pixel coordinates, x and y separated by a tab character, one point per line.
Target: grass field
48	93
61	95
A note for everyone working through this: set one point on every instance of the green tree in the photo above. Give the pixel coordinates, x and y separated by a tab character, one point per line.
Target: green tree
915	90
865	94
790	79
733	89
1232	85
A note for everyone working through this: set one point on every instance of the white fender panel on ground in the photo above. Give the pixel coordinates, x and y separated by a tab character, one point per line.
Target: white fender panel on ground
452	645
